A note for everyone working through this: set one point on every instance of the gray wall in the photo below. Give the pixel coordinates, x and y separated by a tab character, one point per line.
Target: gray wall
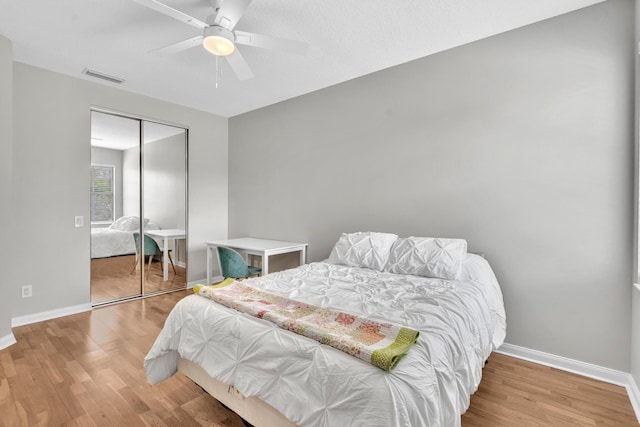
164	181
6	211
106	156
131	175
51	120
521	143
635	308
165	184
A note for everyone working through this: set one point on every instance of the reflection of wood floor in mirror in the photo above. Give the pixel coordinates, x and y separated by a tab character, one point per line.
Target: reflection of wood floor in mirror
111	278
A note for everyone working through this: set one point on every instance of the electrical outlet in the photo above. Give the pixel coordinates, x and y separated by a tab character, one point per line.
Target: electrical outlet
27	291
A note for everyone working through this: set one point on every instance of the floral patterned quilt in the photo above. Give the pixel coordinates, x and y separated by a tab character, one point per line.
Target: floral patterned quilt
382	344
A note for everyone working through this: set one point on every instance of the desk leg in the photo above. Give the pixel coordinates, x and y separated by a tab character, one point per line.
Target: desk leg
265	263
303	256
209	263
165	259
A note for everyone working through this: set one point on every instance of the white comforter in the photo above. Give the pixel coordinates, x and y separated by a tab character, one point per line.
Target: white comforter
460	323
107	242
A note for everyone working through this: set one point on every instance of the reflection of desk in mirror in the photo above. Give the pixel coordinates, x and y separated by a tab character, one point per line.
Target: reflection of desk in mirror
258	247
166	236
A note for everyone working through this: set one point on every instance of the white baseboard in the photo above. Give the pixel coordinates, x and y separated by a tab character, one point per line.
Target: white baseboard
570	365
51	314
202	281
634	395
7	340
611	376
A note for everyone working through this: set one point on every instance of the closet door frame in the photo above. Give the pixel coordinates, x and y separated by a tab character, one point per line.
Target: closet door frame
141	120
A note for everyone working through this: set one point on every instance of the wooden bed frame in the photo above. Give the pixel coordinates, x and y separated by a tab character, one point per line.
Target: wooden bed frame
251	409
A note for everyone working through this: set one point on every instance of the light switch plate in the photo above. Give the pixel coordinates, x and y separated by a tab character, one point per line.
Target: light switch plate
79	221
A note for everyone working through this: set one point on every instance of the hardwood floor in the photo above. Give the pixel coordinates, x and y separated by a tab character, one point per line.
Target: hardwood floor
86	370
111	278
515	392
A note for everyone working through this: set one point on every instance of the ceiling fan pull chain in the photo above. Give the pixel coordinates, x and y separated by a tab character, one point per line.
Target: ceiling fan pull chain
216	71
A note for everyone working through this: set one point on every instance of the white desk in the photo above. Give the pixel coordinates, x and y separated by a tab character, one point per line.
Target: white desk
252	246
166	236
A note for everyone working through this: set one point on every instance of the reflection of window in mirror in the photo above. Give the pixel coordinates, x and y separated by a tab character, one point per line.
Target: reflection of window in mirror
102	193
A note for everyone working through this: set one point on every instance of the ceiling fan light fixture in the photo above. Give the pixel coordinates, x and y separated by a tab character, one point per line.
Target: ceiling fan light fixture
218	40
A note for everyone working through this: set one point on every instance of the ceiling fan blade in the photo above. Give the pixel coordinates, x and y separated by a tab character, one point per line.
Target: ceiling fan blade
173	13
239	65
230	13
268	42
179	46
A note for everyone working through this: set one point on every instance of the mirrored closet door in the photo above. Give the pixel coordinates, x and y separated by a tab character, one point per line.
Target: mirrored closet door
164	183
138	207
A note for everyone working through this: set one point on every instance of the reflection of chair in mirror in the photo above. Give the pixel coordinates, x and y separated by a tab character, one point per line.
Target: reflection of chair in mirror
232	264
151	249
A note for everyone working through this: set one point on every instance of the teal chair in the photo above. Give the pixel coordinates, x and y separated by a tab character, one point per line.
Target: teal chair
232	264
151	249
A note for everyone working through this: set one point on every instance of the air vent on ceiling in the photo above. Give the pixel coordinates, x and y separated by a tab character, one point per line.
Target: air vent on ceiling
103	76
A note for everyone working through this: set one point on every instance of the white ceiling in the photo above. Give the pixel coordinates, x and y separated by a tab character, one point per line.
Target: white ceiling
347	39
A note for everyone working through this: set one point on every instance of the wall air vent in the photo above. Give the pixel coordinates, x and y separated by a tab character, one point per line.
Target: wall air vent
103	76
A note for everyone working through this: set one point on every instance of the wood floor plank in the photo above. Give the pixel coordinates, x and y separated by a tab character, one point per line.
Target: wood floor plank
13	415
111	278
86	370
83	420
517	392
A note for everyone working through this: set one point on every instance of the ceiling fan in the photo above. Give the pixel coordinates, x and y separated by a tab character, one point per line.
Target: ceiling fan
218	34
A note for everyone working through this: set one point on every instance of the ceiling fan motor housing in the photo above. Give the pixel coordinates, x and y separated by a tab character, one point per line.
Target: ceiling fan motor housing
218	40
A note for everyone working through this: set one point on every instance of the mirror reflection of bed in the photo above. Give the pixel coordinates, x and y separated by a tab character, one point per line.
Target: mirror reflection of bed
118	166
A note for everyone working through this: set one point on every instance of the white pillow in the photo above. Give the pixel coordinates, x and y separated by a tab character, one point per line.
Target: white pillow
150	225
427	257
363	249
474	268
127	223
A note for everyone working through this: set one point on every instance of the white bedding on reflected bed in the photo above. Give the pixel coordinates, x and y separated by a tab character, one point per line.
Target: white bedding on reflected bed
460	321
117	239
106	242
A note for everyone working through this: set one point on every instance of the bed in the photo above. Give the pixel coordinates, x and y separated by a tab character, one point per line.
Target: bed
117	239
274	377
